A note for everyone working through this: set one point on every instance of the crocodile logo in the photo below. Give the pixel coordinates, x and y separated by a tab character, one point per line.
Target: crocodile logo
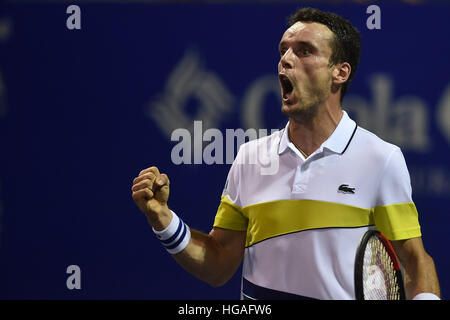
344	188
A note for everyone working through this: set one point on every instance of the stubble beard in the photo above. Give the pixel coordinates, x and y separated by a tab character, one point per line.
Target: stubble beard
306	108
301	113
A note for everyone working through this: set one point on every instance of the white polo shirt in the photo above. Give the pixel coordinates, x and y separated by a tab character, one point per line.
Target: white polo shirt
304	220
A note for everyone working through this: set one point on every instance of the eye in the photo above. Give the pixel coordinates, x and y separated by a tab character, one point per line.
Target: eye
305	52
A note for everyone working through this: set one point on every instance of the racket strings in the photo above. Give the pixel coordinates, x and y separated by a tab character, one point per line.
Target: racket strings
379	276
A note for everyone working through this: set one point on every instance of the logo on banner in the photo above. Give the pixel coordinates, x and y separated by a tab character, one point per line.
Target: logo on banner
403	121
191	83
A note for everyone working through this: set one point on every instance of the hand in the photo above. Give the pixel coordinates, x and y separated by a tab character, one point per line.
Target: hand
151	193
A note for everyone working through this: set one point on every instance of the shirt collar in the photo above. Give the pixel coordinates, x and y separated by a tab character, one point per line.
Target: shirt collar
284	141
337	142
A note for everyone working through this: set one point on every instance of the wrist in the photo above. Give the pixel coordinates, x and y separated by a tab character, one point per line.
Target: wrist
176	236
162	220
162	230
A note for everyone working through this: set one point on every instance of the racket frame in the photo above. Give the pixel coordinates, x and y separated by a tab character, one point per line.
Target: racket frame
359	263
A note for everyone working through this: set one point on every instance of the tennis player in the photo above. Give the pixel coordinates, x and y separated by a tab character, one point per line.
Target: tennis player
297	231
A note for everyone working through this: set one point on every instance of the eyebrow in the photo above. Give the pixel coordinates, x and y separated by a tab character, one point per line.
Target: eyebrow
301	43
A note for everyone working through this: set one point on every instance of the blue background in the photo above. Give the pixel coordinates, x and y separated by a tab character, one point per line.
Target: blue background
83	111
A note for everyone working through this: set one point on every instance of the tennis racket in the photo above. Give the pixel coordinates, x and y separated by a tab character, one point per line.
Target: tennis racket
377	270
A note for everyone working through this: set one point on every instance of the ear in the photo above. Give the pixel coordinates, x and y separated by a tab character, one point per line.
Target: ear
341	72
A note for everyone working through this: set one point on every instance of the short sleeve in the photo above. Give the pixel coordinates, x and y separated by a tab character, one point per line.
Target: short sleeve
395	213
229	214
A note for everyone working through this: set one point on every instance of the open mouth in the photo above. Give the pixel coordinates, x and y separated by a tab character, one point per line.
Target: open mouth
286	86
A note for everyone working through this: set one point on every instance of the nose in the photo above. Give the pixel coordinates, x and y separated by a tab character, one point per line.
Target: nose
286	59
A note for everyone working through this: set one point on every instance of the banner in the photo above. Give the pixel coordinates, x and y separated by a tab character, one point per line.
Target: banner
91	94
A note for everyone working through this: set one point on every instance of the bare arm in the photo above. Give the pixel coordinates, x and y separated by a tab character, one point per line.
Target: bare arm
213	257
419	270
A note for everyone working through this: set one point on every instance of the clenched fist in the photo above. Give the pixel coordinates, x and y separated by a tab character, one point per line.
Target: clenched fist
150	193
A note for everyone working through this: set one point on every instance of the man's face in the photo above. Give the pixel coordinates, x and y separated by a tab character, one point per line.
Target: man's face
303	70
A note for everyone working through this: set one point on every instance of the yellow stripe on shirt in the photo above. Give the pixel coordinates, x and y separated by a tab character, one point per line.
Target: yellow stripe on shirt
230	216
270	219
398	221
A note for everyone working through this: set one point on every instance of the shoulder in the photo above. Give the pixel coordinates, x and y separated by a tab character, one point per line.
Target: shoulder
264	144
368	137
373	145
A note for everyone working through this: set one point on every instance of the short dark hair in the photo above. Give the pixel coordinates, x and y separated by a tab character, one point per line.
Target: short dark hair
346	45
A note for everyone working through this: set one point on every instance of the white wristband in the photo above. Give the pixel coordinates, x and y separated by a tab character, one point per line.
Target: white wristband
426	296
176	236
169	230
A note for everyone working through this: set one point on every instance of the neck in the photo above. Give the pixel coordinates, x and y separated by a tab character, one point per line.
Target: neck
308	134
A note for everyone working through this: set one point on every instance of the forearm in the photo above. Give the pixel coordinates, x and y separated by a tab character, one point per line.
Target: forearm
419	272
207	260
421	276
212	257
